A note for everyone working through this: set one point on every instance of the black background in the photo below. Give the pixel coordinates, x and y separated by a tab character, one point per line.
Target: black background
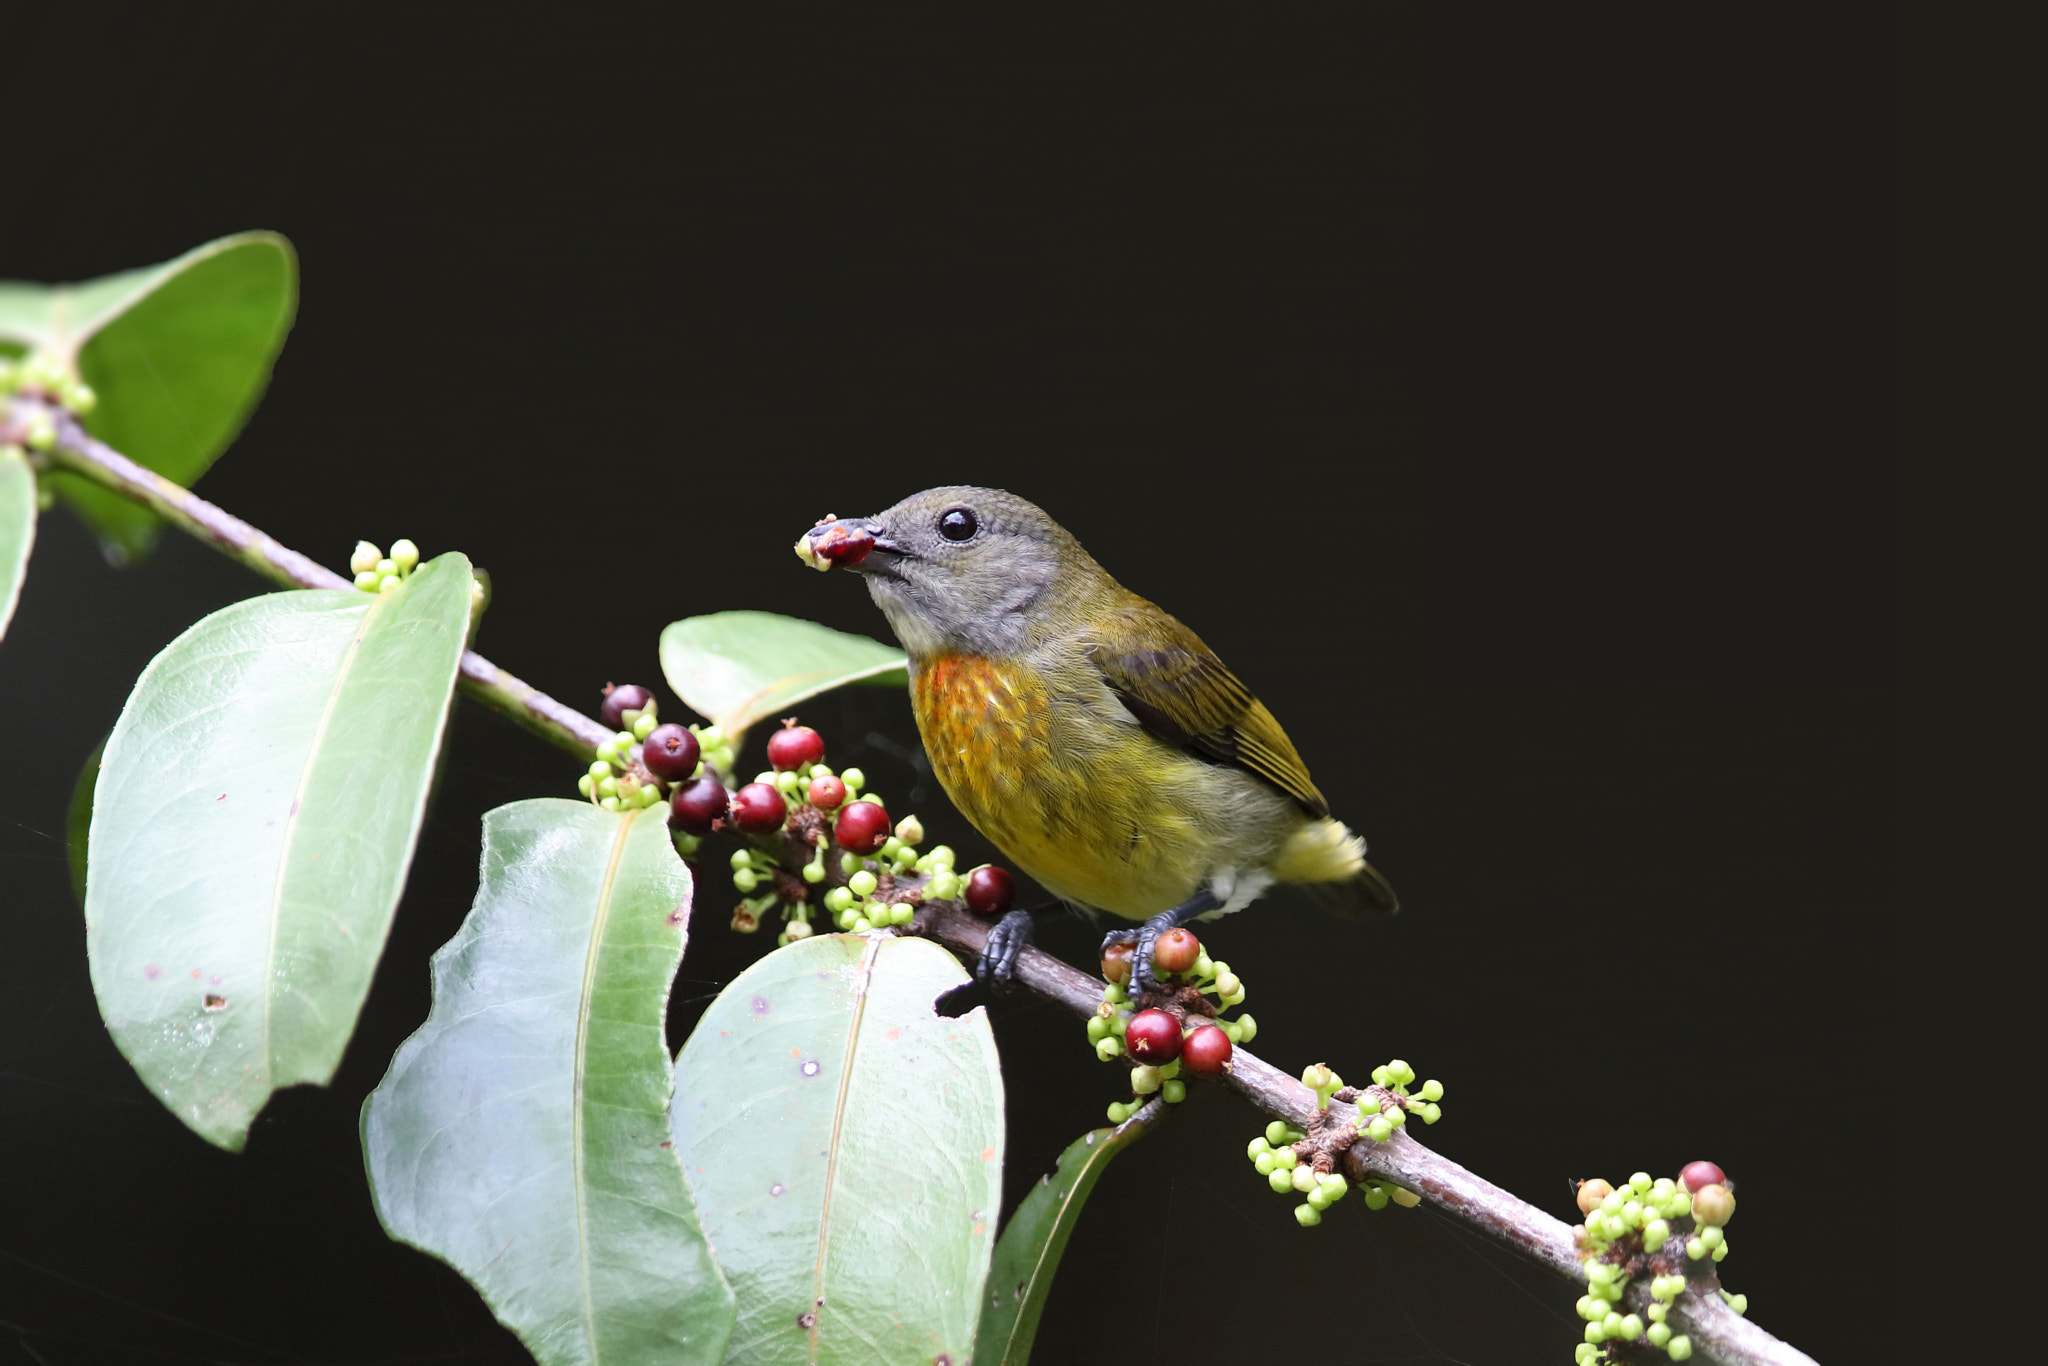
1509	407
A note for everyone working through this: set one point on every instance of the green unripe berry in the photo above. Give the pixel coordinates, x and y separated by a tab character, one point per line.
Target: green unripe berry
644	727
1612	1323
1659	1334
608	803
813	873
365	558
1263	1164
368	580
686	843
404	555
1145	1080
1308	1216
1596	1332
1679	1348
910	830
849	864
861	924
1173	1092
1227	984
1720	1252
1257	1146
1318	1199
853	778
1285	1159
1381	1077
1640	1182
1711	1236
1654	1234
1658	1311
941	855
741	858
862	883
1431	1114
1098	1029
1375	1197
1111	1047
1247	1027
583	785
1379	1131
1118	1112
1631	1327
1589	1308
902	913
838	899
1432	1090
1281	1180
1304	1177
1695	1249
746	879
1276	1133
607	786
1739	1303
789	785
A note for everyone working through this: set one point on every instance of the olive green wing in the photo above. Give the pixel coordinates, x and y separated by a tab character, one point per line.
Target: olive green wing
1181	692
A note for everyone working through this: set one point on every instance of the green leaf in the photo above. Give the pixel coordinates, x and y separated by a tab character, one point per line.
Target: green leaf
1020	1277
78	818
254	818
522	1134
178	353
845	1144
737	668
17	528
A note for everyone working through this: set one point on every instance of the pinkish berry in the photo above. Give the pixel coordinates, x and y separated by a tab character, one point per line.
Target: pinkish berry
827	794
794	746
1697	1174
1207	1050
1153	1037
862	828
758	809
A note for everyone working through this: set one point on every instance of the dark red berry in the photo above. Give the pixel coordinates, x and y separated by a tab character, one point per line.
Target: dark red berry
670	752
698	806
1176	951
838	543
1116	963
989	890
790	748
828	794
1153	1036
1698	1174
620	699
758	809
863	827
1207	1050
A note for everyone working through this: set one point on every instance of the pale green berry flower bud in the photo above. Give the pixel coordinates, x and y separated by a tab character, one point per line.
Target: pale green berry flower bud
1631	1327
1612	1323
1695	1249
1111	1047
1170	1070
1276	1133
388	582
1431	1114
1641	1181
1145	1080
1281	1180
1739	1303
838	899
1406	1199
789	785
910	830
853	778
1679	1348
608	803
368	580
1596	1332
365	558
746	879
1589	1308
862	883
1173	1092
942	855
741	858
1098	1029
1379	1131
902	913
1375	1197
1318	1200
1432	1090
849	864
387	565
1381	1077
1720	1253
798	929
1205	966
1304	1177
1659	1334
607	787
1711	1236
1658	1311
1257	1146
814	872
1247	1028
583	785
404	555
1118	1112
1308	1216
686	843
644	727
1227	984
1654	1234
1284	1158
1264	1163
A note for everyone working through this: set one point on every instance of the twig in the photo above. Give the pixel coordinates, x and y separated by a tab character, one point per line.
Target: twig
80	453
1717	1332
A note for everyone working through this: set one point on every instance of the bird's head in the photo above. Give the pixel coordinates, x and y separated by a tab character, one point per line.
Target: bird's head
959	570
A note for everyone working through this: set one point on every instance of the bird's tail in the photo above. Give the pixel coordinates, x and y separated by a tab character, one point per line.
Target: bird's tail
1328	863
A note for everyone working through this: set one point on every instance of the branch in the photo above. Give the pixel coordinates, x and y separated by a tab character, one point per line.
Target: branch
78	452
1716	1331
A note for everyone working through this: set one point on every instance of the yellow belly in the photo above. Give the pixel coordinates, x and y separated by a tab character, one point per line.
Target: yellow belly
1097	812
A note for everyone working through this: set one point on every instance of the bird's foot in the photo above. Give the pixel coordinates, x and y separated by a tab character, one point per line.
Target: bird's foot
997	965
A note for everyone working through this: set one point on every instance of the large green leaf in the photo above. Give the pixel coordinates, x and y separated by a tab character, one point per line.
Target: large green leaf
17	528
1020	1276
845	1144
522	1134
178	353
253	820
741	667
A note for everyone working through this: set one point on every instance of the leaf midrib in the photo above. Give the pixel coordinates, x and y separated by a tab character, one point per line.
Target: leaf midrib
860	1007
590	967
294	821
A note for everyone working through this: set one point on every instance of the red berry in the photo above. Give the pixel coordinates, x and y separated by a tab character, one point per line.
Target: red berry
1176	951
699	806
827	794
620	699
1116	963
862	828
1153	1036
790	748
989	890
670	752
758	809
1207	1050
1697	1174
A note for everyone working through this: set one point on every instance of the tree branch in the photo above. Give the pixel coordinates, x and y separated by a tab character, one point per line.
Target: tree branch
78	452
1717	1332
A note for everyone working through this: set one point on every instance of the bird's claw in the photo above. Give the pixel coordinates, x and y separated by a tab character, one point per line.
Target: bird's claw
997	965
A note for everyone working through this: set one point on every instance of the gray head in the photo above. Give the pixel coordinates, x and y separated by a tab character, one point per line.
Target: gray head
961	569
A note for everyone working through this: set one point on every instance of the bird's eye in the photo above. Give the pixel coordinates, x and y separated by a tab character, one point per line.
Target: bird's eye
958	524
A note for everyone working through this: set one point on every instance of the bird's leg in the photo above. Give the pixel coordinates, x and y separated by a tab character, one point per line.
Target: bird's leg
1147	935
1006	939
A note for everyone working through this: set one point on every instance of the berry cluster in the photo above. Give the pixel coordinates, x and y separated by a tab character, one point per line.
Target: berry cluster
1304	1161
377	572
37	375
1668	1229
1173	1027
645	761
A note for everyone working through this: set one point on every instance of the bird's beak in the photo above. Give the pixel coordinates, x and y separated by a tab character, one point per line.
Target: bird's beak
847	543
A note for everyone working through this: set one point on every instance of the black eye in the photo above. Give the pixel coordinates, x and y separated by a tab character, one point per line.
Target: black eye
958	524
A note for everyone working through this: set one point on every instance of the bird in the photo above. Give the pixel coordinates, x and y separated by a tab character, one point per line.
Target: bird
1087	733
